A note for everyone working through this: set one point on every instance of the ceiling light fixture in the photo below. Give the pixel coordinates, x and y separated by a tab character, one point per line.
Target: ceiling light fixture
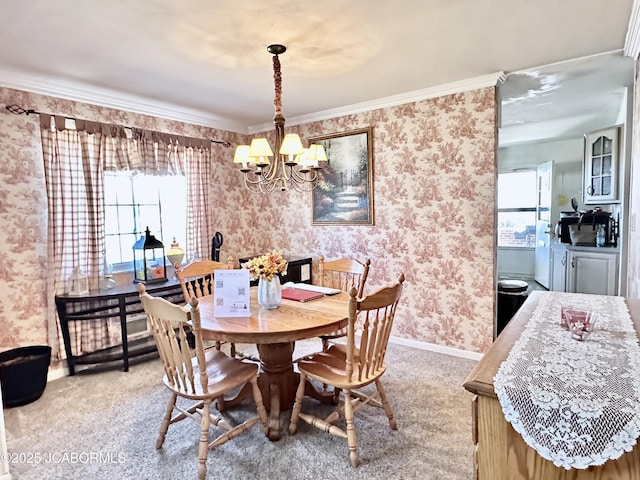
293	165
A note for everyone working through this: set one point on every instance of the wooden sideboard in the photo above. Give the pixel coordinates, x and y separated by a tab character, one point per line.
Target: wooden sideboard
500	452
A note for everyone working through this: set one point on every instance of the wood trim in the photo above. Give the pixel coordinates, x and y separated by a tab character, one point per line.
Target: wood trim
480	380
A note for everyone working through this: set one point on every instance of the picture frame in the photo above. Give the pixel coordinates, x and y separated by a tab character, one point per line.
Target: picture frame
344	195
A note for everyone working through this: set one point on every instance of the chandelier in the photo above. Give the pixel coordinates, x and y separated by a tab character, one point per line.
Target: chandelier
293	166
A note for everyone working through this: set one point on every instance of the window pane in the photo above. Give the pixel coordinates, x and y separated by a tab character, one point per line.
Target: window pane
149	216
136	202
146	188
517	190
516	229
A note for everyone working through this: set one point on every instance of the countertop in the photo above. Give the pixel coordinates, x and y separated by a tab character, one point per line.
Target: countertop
584	248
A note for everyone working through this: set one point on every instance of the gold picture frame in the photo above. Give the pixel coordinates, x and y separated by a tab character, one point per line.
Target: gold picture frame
344	195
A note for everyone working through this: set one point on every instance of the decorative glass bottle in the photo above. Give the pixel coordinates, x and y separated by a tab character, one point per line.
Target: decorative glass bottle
601	236
269	293
107	281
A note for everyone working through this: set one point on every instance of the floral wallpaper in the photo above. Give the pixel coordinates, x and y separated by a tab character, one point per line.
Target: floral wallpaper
434	200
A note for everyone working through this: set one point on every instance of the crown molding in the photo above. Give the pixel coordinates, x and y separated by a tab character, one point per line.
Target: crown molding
474	83
80	92
632	40
103	97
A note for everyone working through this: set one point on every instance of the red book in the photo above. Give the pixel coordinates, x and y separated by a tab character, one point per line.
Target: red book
300	295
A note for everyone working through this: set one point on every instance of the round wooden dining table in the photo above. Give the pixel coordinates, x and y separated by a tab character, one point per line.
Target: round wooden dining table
274	332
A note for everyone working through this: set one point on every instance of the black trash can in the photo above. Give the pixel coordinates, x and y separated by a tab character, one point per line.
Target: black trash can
23	374
511	296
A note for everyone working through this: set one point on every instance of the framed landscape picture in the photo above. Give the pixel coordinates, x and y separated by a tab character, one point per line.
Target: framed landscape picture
344	195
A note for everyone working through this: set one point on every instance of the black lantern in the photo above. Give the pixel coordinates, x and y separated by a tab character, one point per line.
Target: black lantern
148	260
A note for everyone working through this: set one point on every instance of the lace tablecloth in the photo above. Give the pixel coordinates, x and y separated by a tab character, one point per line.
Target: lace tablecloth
576	403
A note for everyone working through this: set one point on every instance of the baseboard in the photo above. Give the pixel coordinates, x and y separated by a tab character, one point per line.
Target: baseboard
59	372
54	374
455	352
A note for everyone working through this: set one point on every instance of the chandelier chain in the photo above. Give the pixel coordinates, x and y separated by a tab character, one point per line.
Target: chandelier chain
277	80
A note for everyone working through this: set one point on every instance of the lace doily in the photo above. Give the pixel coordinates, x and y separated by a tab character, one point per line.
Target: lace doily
575	403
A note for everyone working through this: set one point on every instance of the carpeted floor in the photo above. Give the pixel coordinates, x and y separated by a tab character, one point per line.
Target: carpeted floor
103	425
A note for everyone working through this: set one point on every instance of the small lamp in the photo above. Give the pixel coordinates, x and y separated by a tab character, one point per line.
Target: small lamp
175	253
149	262
242	156
78	283
291	146
260	151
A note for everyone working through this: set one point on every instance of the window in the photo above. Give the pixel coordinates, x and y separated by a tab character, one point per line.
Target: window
134	202
517	209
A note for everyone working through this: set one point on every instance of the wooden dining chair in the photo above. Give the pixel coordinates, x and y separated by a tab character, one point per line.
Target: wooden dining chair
343	273
202	378
353	366
196	280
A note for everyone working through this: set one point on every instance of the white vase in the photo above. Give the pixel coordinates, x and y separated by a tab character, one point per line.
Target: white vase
269	293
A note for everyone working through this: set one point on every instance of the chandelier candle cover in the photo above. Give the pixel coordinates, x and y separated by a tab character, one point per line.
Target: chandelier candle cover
265	269
293	165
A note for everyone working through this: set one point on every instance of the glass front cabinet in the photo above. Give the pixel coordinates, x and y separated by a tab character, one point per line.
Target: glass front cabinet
600	170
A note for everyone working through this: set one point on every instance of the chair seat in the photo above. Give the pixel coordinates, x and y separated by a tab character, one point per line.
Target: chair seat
330	367
224	373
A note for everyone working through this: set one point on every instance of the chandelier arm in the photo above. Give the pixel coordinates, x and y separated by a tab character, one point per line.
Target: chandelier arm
268	187
253	187
297	176
304	187
270	174
258	178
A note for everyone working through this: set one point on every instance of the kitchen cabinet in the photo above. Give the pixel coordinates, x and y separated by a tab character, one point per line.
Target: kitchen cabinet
600	169
558	268
593	271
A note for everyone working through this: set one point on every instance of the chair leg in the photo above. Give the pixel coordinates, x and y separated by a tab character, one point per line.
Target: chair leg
218	345
166	420
386	405
297	405
325	344
352	439
232	348
203	445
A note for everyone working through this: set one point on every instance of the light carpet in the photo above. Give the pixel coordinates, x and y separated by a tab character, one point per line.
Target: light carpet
103	425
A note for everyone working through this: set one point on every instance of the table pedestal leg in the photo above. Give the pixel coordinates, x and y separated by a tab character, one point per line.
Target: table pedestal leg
277	381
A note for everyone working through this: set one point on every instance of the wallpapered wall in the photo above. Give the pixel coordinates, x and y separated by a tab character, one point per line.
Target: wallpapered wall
434	187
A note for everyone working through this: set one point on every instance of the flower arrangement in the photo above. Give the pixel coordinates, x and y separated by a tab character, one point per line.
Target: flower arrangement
266	266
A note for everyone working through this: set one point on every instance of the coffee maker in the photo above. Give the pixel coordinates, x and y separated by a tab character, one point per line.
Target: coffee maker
590	219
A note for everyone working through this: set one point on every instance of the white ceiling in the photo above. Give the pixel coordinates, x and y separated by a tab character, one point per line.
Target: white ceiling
564	100
207	59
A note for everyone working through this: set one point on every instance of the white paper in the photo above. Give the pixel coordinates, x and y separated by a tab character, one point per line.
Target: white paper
305	272
231	294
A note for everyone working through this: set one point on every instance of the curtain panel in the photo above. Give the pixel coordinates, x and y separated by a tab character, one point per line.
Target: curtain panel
75	159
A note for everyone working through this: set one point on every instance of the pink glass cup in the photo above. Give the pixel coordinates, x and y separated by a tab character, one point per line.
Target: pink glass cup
580	323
